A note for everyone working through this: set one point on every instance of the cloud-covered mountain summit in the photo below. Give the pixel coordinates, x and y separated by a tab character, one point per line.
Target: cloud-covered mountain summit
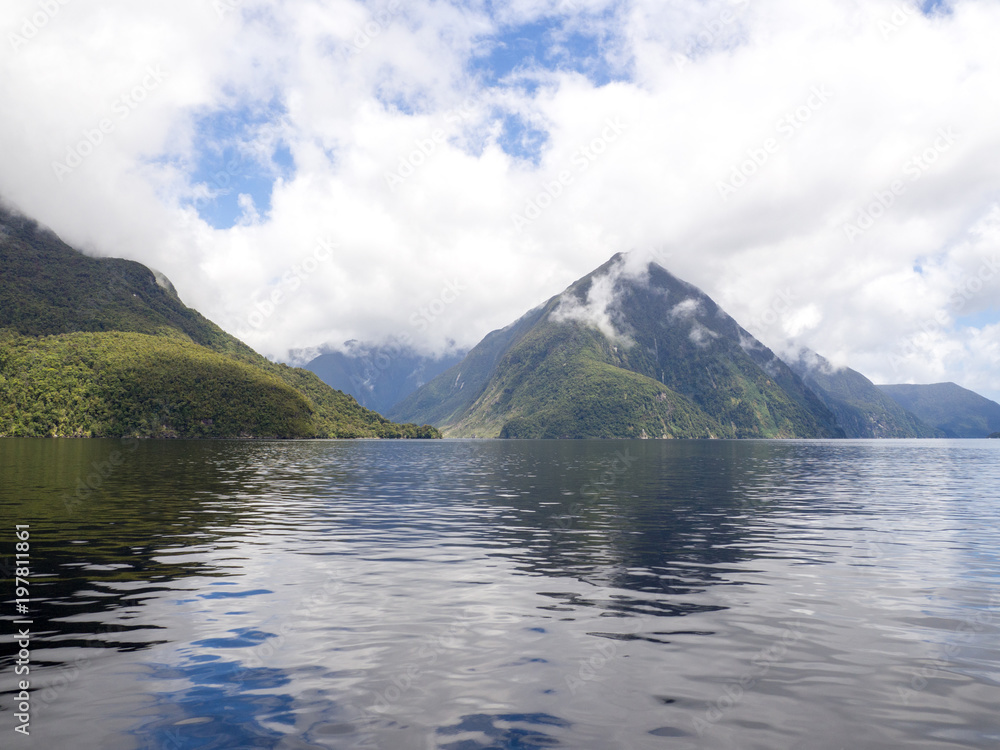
627	351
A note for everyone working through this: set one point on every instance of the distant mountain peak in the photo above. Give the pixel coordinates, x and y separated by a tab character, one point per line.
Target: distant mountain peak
648	354
378	375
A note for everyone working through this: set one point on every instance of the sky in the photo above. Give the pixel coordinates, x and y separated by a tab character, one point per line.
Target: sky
308	172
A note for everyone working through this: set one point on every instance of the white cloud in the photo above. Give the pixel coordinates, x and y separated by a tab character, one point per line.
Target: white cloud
601	306
686	309
716	90
700	335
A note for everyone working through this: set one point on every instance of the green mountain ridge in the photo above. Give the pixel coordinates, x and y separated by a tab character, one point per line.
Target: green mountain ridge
674	365
104	347
561	382
955	411
861	408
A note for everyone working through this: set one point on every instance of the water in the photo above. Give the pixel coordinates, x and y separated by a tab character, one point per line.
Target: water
473	595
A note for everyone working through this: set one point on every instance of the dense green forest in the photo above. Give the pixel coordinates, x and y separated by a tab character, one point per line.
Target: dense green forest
558	383
104	347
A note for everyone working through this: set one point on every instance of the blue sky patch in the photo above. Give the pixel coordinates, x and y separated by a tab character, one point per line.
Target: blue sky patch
979	320
240	151
548	44
931	7
519	57
522	140
399	101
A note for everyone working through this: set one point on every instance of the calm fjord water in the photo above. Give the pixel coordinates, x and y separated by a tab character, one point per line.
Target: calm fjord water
472	595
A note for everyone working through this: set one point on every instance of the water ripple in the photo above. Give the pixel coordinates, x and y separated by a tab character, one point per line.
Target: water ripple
471	595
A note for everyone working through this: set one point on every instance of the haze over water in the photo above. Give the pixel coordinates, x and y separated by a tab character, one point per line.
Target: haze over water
497	595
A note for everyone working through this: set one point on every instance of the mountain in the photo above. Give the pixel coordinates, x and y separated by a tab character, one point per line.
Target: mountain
955	411
104	347
861	409
379	376
622	353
